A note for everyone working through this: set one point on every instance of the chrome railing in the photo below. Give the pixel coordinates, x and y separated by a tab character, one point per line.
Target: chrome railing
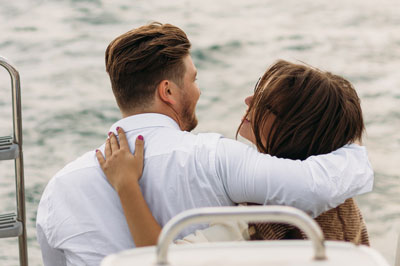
274	214
397	259
19	162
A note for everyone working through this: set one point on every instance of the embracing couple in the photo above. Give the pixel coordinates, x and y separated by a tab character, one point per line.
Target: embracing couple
305	125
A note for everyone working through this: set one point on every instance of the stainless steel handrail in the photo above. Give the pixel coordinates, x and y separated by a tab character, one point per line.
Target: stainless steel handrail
274	214
397	259
19	161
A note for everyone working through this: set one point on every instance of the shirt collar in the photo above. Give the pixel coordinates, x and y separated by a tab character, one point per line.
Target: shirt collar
143	121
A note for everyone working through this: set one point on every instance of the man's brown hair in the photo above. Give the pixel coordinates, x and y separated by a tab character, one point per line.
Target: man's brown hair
313	112
137	61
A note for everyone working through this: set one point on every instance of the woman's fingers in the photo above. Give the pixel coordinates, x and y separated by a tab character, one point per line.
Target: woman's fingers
123	142
120	166
114	142
107	149
139	148
100	158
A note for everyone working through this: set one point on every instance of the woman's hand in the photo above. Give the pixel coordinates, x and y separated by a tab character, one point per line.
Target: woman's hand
122	168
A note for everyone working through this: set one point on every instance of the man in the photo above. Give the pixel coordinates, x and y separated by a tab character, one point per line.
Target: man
80	219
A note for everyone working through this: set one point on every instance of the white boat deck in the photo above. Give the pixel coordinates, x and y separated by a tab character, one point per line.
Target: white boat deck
252	253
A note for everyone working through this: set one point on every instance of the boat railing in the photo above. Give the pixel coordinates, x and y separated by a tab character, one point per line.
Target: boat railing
397	259
14	225
275	214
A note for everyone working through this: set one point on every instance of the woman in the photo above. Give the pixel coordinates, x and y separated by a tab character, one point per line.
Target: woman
296	112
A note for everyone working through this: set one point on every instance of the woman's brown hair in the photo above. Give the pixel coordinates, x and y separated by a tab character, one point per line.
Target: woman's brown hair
312	112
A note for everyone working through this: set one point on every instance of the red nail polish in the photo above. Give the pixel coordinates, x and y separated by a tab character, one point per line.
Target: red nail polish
140	137
109	133
97	151
118	128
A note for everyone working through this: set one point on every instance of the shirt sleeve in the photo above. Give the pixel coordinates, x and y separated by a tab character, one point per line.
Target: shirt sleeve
314	185
79	217
58	257
63	239
50	256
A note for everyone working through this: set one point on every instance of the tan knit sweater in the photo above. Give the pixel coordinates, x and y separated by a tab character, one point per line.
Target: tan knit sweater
344	222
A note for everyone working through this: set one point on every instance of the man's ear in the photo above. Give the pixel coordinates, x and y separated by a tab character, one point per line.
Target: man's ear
167	92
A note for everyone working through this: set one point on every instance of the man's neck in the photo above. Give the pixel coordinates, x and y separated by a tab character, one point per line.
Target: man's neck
152	110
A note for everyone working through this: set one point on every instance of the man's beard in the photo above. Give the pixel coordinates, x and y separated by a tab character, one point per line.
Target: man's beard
188	118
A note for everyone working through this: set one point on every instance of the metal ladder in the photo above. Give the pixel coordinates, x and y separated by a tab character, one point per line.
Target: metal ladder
11	224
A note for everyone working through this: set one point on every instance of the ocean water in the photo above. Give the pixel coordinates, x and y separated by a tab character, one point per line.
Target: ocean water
58	48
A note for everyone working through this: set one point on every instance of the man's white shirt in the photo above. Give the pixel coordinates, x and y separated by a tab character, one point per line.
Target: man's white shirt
80	218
